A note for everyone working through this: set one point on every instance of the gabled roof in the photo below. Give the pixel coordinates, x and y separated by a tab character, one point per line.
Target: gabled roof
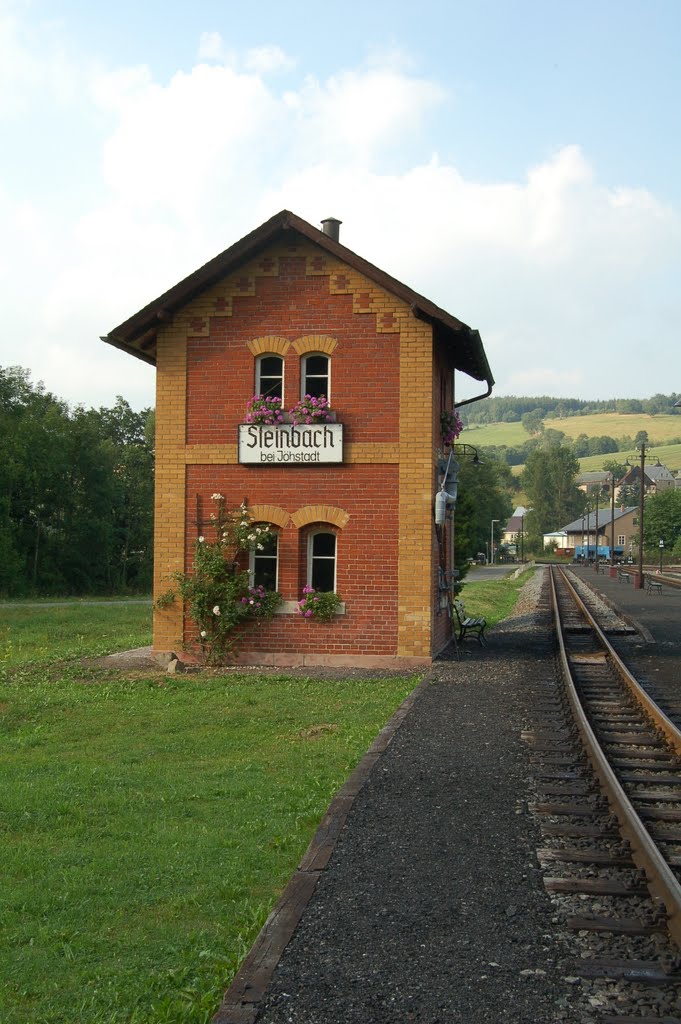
137	334
593	476
653	472
658	472
588	522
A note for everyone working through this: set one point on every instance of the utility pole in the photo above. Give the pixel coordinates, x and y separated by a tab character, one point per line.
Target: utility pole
638	582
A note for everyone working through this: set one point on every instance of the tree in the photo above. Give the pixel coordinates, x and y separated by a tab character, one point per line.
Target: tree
549	483
484	495
662	519
533	421
76	502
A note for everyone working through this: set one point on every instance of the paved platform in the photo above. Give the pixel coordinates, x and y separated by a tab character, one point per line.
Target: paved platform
431	907
659	615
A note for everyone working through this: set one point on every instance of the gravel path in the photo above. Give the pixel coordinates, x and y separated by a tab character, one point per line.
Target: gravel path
432	908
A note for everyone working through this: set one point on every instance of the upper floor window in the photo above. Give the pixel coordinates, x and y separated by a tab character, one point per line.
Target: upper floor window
269	376
321	562
264	564
316	375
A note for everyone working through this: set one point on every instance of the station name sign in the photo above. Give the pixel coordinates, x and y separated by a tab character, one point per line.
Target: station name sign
286	444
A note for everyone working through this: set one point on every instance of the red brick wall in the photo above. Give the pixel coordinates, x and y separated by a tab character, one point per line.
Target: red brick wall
364	366
366	549
365	380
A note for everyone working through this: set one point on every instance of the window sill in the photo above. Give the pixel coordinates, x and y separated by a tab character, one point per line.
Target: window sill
291	608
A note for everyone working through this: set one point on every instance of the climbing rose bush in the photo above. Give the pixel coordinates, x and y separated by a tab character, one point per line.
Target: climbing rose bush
217	591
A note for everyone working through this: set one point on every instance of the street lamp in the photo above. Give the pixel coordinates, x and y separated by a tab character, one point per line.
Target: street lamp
661	552
491	544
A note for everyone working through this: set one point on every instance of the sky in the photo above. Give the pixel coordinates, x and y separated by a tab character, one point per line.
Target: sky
515	161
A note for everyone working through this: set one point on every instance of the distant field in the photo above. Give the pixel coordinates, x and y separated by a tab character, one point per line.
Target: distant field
669	455
660	428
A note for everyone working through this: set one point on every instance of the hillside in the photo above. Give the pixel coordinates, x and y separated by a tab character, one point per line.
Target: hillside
659	428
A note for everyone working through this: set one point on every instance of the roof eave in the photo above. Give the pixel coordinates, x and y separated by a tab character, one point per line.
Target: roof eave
467	350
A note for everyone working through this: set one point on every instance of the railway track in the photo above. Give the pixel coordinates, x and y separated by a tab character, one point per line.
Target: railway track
608	783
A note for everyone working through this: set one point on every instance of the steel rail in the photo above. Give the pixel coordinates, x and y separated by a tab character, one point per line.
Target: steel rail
669	730
661	880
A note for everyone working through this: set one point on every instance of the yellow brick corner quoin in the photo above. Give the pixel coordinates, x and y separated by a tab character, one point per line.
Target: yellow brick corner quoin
415	483
171	394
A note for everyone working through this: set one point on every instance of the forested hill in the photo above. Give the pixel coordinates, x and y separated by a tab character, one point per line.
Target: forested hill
511	408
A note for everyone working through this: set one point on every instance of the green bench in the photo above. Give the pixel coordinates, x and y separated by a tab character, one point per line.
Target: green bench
467	624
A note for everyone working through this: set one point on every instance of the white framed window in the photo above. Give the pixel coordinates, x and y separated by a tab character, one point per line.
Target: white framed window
269	376
621	539
321	561
315	378
263	566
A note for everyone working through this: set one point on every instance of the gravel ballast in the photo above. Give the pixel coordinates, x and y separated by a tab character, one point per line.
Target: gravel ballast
432	907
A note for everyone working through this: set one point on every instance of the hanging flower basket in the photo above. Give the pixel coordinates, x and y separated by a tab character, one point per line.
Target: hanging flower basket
450	426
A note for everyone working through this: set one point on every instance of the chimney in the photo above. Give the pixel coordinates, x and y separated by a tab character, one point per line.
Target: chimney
331	228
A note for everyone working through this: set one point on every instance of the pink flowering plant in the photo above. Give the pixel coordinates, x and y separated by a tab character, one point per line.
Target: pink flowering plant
450	426
318	604
311	409
217	591
265	410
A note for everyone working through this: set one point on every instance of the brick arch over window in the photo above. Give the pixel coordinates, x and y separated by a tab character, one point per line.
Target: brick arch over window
320	514
315	343
269	514
269	343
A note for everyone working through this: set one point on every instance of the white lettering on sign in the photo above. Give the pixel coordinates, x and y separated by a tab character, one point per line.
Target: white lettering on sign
286	444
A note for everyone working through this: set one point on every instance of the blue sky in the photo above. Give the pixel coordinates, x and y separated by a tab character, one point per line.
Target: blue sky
516	162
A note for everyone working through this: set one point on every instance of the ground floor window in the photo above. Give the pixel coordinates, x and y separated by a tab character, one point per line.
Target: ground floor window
264	564
321	574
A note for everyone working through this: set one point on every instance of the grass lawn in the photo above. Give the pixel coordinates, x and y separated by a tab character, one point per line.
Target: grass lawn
149	822
493	598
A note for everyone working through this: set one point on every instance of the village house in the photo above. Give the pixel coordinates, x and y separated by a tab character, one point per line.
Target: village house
656	478
593	479
513	531
288	311
593	532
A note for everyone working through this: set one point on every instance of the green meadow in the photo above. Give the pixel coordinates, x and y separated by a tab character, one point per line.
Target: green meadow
149	822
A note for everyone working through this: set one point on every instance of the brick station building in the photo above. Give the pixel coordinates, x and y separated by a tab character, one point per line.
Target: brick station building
289	310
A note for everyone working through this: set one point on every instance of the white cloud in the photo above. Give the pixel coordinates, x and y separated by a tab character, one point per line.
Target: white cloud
33	66
211	46
264	60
